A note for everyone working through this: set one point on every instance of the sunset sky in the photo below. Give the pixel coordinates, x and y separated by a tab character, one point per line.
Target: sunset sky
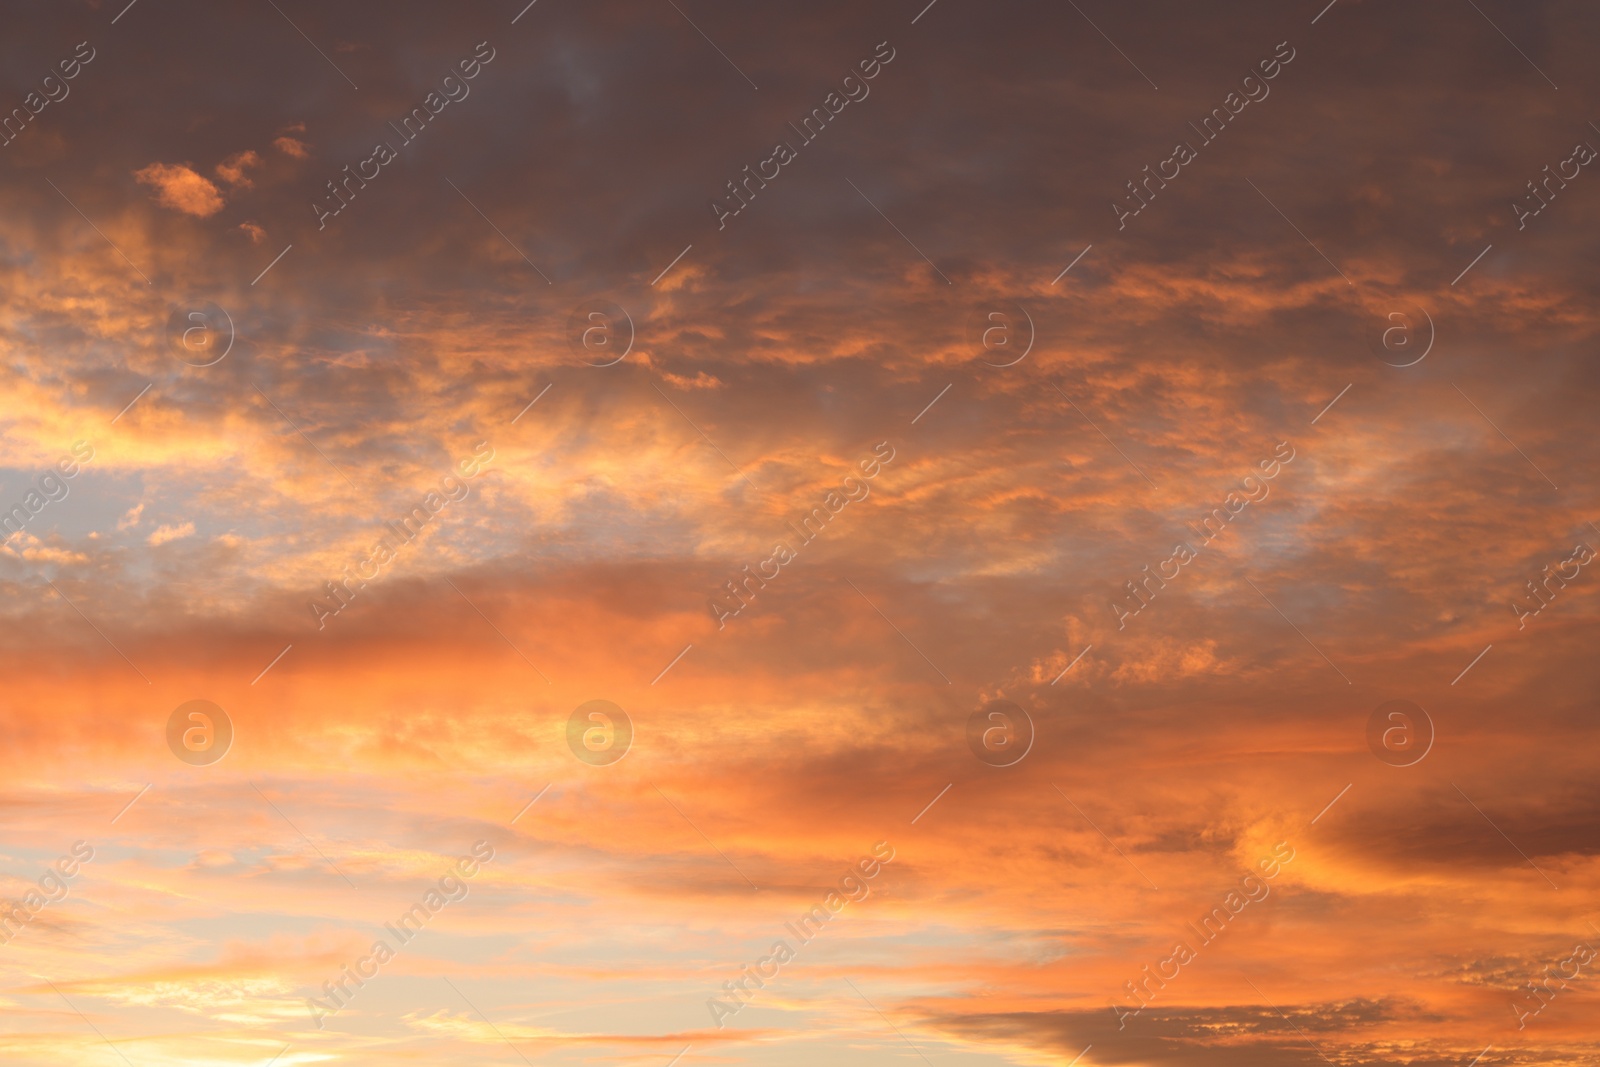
809	382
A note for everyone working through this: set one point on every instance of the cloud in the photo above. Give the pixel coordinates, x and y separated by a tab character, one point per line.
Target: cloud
36	551
291	146
232	170
701	380
179	187
165	533
996	541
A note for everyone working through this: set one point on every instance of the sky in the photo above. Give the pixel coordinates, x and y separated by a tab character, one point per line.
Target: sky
945	533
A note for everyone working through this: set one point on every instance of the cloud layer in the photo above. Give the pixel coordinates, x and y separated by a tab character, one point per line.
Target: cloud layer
255	394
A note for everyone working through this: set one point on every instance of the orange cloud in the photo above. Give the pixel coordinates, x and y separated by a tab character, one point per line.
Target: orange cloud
233	169
179	187
1165	758
164	533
